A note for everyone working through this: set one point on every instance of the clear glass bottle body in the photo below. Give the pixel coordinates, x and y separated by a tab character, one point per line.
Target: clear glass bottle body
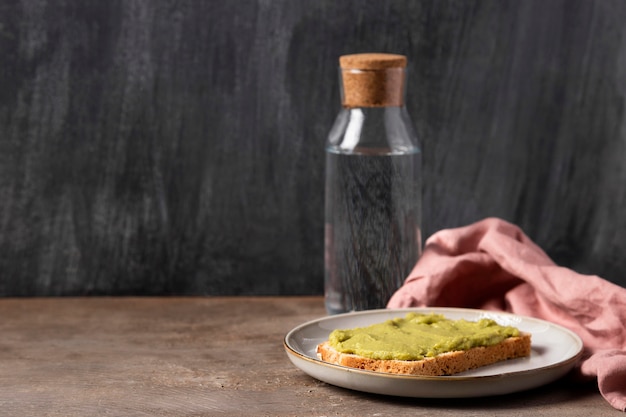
372	207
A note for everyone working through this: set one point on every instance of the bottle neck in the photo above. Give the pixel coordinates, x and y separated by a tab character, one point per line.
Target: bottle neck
373	131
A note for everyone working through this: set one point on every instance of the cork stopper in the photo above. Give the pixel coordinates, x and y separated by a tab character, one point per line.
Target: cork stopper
373	80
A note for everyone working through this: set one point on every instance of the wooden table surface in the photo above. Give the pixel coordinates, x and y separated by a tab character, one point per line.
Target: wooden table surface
203	357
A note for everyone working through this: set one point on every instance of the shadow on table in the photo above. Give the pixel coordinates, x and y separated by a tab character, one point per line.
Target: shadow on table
578	395
551	394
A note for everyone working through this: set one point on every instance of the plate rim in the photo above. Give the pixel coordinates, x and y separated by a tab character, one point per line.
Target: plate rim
573	359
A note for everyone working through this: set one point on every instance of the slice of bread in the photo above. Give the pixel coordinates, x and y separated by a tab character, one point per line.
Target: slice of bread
448	363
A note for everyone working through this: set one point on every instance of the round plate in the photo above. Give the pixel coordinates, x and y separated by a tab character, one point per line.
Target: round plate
555	351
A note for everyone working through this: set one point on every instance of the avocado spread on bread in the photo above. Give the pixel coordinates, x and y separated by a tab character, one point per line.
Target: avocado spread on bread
419	336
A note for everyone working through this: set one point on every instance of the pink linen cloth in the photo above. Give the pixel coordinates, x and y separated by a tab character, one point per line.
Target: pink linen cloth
493	265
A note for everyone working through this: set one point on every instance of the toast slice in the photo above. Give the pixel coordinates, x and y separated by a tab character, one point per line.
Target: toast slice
448	363
424	344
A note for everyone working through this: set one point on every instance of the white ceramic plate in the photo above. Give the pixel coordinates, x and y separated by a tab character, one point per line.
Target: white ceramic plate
555	351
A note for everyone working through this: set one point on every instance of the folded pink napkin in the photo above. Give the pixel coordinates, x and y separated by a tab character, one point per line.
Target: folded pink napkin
493	265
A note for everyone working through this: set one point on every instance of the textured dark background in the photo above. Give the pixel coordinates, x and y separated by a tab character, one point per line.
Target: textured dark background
176	147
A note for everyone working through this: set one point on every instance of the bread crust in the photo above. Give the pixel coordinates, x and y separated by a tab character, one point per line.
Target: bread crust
448	363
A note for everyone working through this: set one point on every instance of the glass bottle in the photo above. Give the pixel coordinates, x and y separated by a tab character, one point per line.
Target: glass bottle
373	186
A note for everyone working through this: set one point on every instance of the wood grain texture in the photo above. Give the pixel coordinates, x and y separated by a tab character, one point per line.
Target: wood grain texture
218	356
176	147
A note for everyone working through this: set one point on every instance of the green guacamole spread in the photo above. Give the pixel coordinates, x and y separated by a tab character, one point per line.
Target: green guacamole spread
418	336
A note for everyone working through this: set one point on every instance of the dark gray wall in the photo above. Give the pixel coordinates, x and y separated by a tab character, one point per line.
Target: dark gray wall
176	147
